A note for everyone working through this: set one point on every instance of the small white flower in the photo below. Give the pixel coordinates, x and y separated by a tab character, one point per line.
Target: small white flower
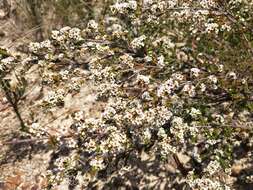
195	112
75	33
143	78
195	72
93	24
109	112
190	89
244	81
97	163
78	116
161	61
212	27
138	42
232	75
35	125
202	87
213	167
213	79
220	68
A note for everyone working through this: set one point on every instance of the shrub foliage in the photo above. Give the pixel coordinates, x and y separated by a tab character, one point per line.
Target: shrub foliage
175	78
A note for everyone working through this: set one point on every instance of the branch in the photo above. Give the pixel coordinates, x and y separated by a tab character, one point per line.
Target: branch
30	140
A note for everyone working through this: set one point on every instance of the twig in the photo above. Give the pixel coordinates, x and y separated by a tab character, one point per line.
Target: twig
31	140
13	102
180	166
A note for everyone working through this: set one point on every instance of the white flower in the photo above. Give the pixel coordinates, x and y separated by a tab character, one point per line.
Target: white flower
202	87
97	163
210	27
218	118
167	148
132	5
122	7
46	44
138	42
116	29
109	112
55	34
90	146
78	116
143	78
206	184
34	47
54	97
195	112
213	79
177	121
35	125
160	90
220	68
207	3
161	61
190	89
177	76
195	72
64	74
178	128
75	33
213	167
93	24
232	75
244	81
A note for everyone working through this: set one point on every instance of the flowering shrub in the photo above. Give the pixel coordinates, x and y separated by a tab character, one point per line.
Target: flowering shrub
175	78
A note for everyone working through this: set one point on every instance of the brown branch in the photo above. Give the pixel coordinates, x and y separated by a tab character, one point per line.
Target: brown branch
13	103
180	166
